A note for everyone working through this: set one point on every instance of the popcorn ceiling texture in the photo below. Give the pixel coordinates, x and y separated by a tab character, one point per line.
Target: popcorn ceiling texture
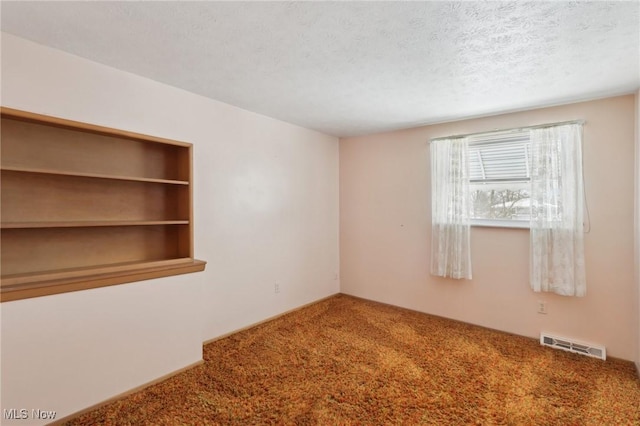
350	68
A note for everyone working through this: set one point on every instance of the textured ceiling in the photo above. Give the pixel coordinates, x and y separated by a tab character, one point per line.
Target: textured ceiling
350	68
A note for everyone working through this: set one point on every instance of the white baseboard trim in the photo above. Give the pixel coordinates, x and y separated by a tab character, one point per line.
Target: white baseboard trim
222	336
167	376
125	394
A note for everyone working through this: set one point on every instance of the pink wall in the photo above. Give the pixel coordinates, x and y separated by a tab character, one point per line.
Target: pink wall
385	232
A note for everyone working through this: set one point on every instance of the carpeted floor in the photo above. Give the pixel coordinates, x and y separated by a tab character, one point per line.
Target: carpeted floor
348	361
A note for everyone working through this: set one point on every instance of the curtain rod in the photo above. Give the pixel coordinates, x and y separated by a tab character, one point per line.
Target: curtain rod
516	129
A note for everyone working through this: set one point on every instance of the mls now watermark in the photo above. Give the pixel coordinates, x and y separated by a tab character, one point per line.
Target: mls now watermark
24	414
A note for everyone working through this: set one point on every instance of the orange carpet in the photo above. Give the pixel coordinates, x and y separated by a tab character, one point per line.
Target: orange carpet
346	361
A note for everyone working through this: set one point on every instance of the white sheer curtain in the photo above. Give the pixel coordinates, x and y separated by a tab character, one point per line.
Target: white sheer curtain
450	199
557	211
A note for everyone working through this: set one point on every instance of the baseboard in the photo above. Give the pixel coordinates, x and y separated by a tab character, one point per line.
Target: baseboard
125	394
188	367
231	333
195	364
537	339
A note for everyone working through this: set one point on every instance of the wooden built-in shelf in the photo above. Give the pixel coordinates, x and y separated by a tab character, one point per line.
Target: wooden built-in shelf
85	206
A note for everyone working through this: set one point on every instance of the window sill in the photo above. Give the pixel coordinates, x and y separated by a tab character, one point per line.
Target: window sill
491	223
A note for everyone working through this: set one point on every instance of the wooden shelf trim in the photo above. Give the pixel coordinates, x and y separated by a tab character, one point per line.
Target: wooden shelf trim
86	127
59	274
25	286
93	175
89	224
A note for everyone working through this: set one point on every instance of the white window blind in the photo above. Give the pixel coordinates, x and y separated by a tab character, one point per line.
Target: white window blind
499	175
494	158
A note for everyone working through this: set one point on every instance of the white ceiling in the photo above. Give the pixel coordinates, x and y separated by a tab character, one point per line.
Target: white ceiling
351	68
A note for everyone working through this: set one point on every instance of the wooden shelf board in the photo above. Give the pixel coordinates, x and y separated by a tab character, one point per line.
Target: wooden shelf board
23	286
16	114
93	175
89	223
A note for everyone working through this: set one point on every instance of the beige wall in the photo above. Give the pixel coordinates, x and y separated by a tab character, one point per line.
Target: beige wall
385	232
266	211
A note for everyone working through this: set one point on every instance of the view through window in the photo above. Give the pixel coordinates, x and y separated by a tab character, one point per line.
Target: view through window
500	171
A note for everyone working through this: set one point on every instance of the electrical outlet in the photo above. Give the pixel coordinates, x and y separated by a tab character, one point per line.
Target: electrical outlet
542	307
276	288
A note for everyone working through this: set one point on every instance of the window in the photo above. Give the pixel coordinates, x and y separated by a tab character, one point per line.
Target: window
528	178
499	179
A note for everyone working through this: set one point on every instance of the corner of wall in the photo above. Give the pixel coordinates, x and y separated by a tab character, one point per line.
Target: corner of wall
637	229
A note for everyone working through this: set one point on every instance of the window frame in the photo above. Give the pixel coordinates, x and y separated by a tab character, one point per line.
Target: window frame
493	138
